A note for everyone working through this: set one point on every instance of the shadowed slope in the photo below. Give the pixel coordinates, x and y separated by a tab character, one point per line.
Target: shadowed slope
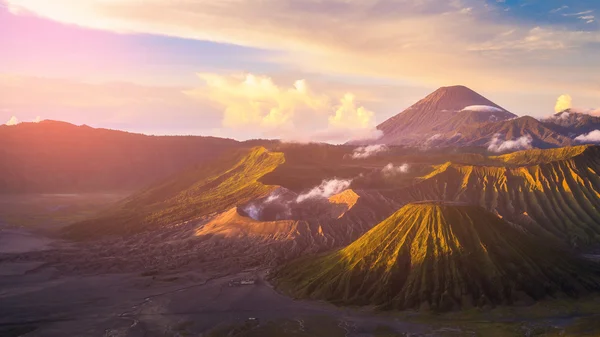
483	134
440	256
207	189
572	124
58	157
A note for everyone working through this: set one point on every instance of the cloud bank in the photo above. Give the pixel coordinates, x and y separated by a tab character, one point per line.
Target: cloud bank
293	113
399	39
326	189
482	108
521	143
592	137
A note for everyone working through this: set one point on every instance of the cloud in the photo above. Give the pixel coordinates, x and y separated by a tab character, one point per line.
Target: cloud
37	119
336	136
434	138
293	113
326	189
12	121
558	117
482	108
521	143
253	211
584	16
391	170
400	39
563	103
350	116
368	151
592	137
117	105
250	100
556	10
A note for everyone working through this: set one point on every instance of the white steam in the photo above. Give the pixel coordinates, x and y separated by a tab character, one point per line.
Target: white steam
433	138
368	151
482	108
592	137
326	189
521	143
391	170
12	121
563	102
253	211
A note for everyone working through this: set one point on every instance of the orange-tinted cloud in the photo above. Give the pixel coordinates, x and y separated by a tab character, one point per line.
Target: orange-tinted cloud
431	41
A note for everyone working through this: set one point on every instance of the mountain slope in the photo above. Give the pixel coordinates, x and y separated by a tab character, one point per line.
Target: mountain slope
557	191
483	134
200	191
432	114
58	157
440	256
572	124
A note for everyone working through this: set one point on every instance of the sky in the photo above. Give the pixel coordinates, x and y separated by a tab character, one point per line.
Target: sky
326	70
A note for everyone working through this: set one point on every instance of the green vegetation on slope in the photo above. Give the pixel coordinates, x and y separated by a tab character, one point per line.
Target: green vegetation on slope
537	156
556	199
443	257
200	191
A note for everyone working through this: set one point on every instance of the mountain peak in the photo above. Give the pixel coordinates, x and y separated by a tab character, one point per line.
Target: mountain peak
453	98
434	114
455	88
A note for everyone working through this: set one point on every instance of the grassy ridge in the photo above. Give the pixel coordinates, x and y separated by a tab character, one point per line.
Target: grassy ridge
558	198
203	190
442	257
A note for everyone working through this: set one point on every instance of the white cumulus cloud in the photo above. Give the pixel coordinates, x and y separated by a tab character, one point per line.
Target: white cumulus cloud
350	116
563	102
390	169
256	101
521	143
326	189
368	151
12	121
293	113
592	137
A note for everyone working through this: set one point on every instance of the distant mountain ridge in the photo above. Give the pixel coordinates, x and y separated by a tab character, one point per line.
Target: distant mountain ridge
458	116
59	157
571	123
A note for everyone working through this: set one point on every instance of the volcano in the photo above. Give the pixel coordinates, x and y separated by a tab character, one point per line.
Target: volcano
441	256
442	111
